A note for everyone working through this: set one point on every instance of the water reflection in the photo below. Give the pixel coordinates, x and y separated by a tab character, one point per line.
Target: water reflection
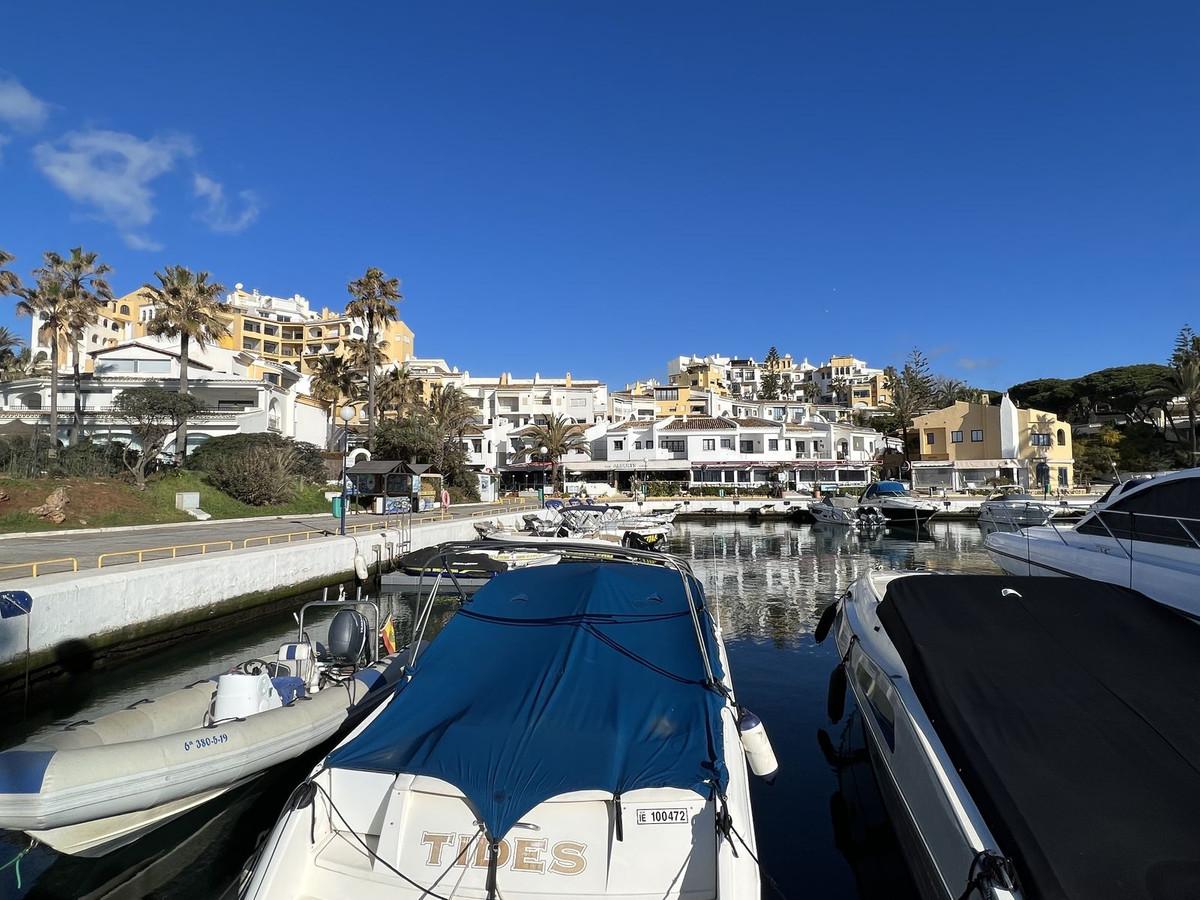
772	580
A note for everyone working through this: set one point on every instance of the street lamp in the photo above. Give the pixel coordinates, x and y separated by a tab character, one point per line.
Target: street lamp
544	451
346	413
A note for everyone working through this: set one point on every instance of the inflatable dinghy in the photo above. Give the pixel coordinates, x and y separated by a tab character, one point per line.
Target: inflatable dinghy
96	786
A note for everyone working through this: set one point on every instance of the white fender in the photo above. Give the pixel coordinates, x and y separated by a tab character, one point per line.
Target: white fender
360	567
759	753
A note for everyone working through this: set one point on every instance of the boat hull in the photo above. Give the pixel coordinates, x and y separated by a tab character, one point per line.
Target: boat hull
1169	579
917	779
97	786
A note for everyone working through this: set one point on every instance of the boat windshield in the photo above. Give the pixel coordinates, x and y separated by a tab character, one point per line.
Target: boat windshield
885	489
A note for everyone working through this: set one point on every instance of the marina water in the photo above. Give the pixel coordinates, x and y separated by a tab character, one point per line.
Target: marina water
821	829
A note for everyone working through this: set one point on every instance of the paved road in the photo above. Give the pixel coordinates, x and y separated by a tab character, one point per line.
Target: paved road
87	548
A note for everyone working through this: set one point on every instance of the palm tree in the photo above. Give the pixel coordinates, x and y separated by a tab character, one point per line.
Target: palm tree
9	282
9	343
22	364
1185	385
947	390
450	412
87	291
186	305
332	379
397	391
375	297
47	300
559	436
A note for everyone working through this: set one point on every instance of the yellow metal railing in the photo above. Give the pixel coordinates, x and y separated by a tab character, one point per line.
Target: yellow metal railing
36	567
266	540
106	558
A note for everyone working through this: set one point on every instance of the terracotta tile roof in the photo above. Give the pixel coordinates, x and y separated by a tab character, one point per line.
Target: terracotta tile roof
698	423
630	424
756	422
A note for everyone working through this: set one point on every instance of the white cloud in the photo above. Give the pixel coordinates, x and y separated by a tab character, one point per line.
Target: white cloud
217	213
20	108
112	171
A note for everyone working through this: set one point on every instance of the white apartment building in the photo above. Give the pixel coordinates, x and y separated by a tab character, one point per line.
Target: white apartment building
738	452
518	401
240	393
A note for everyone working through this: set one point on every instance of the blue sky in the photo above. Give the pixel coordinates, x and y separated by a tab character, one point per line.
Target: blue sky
596	187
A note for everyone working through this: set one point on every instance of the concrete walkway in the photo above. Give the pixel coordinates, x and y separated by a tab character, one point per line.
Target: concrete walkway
87	547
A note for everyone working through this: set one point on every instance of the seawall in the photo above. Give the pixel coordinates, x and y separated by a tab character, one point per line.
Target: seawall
98	610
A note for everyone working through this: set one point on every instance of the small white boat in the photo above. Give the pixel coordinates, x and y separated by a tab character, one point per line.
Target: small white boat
595	749
1008	510
846	512
901	509
588	521
1032	737
95	786
1144	535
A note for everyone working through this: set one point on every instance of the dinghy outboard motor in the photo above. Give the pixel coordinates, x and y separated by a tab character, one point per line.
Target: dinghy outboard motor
348	636
759	753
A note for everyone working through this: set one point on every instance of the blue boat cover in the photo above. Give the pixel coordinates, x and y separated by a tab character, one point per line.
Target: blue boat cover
577	676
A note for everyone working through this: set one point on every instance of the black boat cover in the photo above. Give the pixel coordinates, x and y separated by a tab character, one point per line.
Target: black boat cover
436	558
1071	709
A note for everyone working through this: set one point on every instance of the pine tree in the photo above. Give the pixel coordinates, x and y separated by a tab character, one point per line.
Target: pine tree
770	384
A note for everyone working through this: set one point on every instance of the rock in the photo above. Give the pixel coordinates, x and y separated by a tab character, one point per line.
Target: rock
3	496
54	509
83	521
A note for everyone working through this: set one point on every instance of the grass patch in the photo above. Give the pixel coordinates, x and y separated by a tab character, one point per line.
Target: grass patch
113	502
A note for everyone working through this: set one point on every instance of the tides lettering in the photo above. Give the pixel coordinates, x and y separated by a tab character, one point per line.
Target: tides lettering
524	854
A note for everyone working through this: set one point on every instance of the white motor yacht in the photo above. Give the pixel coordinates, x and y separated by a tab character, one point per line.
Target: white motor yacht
1143	535
572	731
898	505
1032	737
845	512
1010	510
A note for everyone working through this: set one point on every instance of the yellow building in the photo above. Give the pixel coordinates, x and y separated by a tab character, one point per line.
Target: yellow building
279	329
967	444
702	376
671	400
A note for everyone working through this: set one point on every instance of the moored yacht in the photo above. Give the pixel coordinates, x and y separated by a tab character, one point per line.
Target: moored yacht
898	505
1032	737
572	731
1143	535
1012	510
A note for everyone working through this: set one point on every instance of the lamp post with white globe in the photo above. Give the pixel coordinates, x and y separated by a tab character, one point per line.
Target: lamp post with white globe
346	413
545	452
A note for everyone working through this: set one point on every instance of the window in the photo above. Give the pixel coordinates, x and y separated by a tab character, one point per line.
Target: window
858	444
637	445
618	445
746	446
1062	476
726	443
1062	440
930	438
956	437
674	445
1039	440
710	443
800	446
773	444
787	444
124	309
976	435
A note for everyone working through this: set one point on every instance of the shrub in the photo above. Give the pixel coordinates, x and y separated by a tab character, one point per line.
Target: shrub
256	476
216	453
88	458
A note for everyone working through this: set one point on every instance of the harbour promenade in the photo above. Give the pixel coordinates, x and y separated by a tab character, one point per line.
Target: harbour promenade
131	588
64	551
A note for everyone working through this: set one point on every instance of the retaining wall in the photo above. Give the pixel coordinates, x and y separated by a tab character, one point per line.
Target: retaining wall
107	607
